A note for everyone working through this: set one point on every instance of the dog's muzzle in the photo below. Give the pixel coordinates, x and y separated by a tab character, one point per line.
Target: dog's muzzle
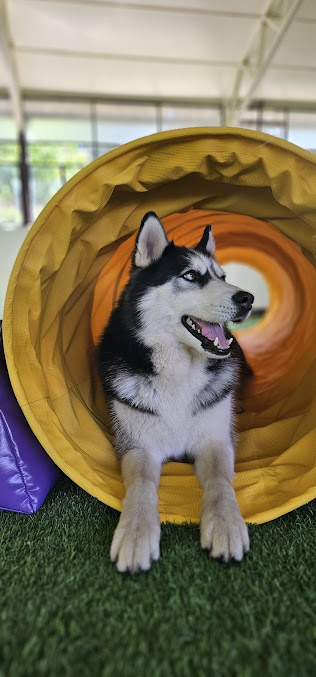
212	336
215	338
243	301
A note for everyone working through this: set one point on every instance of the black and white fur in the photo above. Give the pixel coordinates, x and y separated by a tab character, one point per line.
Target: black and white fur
172	392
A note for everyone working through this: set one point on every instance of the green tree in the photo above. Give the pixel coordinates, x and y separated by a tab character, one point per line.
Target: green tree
50	166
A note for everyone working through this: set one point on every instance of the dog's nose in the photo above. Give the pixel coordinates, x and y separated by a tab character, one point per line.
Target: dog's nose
243	299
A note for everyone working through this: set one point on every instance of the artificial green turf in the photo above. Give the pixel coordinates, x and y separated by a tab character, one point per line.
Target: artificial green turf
65	610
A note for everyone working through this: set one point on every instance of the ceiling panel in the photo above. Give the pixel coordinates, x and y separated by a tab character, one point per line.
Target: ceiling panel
98	29
298	46
307	10
288	85
99	76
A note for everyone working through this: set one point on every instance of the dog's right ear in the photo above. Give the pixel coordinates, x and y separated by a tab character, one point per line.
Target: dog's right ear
207	243
151	241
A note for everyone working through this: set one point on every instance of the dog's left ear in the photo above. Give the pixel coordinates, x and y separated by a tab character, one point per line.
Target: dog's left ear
207	242
151	241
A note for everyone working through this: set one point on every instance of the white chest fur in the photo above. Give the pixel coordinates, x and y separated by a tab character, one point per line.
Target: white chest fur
175	426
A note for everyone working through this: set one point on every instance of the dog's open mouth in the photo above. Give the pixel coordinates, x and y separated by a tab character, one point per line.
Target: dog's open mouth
212	336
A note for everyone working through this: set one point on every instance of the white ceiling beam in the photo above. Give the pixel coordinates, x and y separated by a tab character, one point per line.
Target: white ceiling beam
172	9
146	58
264	42
139	58
8	53
156	7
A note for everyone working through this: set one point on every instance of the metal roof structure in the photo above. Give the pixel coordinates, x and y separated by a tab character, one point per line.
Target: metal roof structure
227	51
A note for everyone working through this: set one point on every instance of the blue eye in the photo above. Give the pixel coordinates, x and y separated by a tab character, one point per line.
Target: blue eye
190	276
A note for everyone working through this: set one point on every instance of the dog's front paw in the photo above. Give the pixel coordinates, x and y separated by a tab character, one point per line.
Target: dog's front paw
225	536
136	542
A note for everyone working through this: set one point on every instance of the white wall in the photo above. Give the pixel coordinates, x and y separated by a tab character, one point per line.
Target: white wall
10	243
251	280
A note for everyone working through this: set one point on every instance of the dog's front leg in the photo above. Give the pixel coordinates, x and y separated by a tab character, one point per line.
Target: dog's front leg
223	529
136	539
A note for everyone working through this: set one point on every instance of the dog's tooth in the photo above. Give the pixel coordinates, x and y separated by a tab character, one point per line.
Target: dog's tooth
216	341
230	341
189	322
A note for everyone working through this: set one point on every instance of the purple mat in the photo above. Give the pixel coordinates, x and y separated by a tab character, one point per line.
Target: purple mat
26	472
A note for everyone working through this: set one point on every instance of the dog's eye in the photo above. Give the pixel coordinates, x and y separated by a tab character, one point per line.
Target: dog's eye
190	275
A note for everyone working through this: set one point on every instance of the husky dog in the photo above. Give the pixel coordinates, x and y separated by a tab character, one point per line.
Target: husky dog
170	369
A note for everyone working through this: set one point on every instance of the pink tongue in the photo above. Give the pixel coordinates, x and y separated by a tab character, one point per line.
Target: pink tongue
213	330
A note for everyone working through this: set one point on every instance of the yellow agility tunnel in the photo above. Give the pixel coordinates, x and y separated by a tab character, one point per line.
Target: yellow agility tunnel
260	194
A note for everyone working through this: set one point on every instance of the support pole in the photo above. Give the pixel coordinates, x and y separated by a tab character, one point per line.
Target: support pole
264	42
8	53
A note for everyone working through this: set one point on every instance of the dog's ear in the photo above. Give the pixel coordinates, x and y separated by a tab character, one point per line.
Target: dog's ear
151	241
207	242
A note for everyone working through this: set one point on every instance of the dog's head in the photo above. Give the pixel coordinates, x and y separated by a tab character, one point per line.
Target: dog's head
182	292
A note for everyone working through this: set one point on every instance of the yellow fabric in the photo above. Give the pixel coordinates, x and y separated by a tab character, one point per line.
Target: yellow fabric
47	335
